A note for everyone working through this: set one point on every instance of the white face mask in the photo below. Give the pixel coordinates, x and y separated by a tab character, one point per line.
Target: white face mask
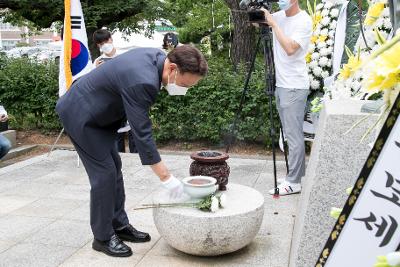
174	89
107	48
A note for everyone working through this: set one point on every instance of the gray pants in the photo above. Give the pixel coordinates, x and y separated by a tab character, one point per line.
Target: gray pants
291	104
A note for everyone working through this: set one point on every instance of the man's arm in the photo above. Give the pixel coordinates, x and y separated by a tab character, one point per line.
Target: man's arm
289	45
161	171
137	102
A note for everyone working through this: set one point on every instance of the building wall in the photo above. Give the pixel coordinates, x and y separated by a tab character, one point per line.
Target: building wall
10	36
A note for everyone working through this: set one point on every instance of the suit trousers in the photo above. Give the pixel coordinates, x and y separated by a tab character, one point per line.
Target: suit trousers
107	193
291	104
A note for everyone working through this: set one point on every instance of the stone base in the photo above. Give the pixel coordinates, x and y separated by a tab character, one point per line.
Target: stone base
11	135
208	234
335	162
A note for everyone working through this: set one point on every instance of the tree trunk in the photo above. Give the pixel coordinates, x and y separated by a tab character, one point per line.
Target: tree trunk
243	41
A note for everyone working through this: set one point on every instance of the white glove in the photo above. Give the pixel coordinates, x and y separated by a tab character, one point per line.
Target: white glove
174	187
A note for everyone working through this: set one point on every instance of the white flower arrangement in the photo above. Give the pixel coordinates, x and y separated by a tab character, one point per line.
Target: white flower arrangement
334	12
323	61
319	57
214	204
376	19
315	84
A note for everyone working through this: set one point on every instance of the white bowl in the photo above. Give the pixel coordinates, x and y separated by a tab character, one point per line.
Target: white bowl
199	190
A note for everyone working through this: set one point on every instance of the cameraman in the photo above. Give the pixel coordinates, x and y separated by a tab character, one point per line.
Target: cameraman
292	29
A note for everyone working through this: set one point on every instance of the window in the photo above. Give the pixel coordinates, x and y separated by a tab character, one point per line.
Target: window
8	27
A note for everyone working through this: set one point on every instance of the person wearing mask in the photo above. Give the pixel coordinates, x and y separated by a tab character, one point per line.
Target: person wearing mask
170	42
5	144
91	112
103	39
292	29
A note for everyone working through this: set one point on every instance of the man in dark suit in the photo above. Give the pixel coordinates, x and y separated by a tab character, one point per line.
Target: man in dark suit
92	111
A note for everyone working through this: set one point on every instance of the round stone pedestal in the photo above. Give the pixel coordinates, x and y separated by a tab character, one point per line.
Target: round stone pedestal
208	234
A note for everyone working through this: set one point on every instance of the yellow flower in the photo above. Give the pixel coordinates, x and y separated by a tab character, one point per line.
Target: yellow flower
308	58
386	70
322	38
373	13
316	19
352	66
314	39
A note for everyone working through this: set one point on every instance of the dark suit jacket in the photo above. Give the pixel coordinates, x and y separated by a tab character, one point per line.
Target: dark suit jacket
124	87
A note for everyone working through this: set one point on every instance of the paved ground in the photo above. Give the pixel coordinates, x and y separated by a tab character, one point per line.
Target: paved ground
44	215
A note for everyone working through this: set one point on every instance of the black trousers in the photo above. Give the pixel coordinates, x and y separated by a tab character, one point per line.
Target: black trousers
121	143
107	194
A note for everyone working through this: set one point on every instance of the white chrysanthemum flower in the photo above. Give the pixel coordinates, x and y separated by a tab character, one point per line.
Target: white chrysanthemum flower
387	23
317	71
328	4
329	64
314	84
324	32
317	31
324	12
311	47
325	21
331	33
324	74
323	61
321	45
330	50
334	12
393	258
320	6
324	51
333	25
214	204
223	201
315	56
313	64
330	42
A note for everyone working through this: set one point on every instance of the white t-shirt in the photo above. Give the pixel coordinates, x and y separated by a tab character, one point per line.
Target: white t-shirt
291	71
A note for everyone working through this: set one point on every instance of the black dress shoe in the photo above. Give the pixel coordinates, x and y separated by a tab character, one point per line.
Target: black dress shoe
113	247
129	233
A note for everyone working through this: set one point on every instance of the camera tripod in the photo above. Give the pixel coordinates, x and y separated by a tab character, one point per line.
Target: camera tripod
266	38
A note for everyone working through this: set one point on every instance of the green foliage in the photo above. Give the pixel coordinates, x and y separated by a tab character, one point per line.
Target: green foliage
352	28
197	19
29	91
208	109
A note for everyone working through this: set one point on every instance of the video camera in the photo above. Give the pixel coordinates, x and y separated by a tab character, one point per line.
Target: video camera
253	6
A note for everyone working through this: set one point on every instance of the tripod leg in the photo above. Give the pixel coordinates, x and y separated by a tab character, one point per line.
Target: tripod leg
245	88
58	137
285	150
270	84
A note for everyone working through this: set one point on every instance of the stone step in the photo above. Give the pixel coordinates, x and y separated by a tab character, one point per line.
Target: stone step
18	151
11	135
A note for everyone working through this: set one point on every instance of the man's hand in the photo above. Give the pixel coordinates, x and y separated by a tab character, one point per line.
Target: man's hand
98	62
3	118
269	19
174	187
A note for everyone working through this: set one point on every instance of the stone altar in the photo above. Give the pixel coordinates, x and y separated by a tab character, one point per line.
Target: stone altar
209	234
